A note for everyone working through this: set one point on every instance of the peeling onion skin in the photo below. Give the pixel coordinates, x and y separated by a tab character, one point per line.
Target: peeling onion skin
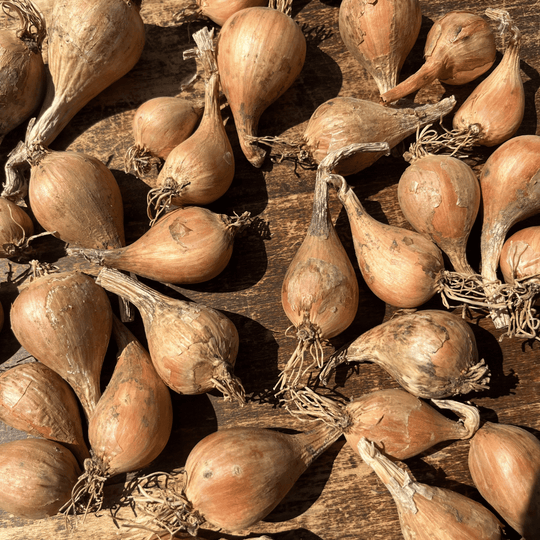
430	353
504	461
35	399
380	35
520	255
261	52
64	320
36	477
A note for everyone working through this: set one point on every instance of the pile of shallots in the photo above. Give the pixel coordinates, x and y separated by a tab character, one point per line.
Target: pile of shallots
88	425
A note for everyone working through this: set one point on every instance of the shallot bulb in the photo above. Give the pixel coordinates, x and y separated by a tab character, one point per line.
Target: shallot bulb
319	293
439	196
16	229
200	169
64	320
217	11
131	423
494	110
187	245
520	256
460	47
22	71
504	461
398	423
403	268
427	512
90	46
510	184
159	125
261	52
343	121
193	347
76	197
380	35
431	353
36	477
35	399
235	477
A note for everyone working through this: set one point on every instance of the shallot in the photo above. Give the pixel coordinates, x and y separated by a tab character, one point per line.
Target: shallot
431	353
216	10
398	423
460	47
520	256
16	229
193	347
427	512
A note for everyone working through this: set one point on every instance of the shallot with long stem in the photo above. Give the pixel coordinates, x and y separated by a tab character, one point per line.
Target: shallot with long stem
200	169
427	512
193	347
460	47
431	353
232	478
400	424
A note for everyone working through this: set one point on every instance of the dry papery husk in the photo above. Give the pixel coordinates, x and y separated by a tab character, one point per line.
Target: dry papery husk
193	347
23	81
439	196
460	47
201	169
90	46
131	423
343	121
217	11
232	479
35	399
427	512
188	245
380	35
320	292
64	320
398	423
159	125
431	353
504	461
36	477
261	51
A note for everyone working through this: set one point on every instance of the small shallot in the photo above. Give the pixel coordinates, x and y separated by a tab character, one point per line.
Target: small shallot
504	461
427	512
400	424
16	229
159	125
233	478
131	423
22	71
64	320
188	245
520	256
36	477
217	11
35	399
193	347
431	353
460	47
261	51
380	35
200	169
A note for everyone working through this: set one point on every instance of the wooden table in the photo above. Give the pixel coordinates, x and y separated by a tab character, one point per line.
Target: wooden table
338	497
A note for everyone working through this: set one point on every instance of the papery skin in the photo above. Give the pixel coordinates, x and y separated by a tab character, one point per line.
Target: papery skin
504	461
220	10
520	255
15	226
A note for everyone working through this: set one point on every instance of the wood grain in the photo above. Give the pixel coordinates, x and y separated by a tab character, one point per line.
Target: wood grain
338	498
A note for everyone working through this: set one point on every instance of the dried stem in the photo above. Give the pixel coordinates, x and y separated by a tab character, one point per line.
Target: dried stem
228	383
281	5
469	415
33	29
139	160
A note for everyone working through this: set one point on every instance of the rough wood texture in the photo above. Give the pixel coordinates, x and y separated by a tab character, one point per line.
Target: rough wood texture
338	498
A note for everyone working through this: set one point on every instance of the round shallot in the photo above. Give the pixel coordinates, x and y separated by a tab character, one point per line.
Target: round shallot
460	47
520	256
36	477
22	71
380	35
35	399
193	347
216	10
400	424
65	320
431	353
16	229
